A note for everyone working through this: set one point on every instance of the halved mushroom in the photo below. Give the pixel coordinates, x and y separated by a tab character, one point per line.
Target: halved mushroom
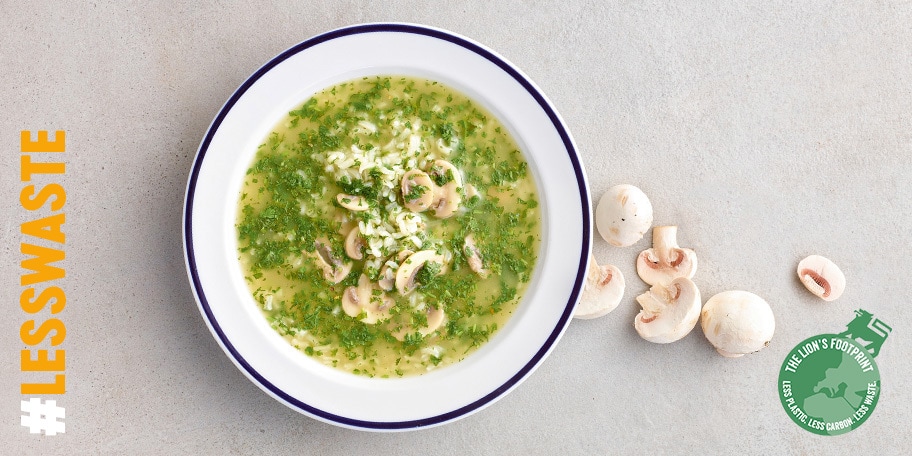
473	256
448	194
387	279
334	269
446	200
353	298
408	269
352	202
821	277
417	190
444	172
354	244
435	319
603	291
737	323
362	299
669	312
665	260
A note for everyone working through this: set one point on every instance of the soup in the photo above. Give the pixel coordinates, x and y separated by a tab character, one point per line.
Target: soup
388	226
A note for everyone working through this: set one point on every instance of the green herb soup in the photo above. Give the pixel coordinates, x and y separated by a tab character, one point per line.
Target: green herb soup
388	227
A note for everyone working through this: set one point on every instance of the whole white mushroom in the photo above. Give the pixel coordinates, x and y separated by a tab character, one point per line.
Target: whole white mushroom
737	323
623	215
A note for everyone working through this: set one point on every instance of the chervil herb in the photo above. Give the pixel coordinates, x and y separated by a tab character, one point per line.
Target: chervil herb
308	110
428	273
357	336
446	131
531	203
327	139
358	187
415	192
505	172
441	176
412	342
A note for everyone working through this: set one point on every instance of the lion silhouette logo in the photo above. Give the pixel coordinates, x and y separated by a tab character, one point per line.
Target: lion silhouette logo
868	331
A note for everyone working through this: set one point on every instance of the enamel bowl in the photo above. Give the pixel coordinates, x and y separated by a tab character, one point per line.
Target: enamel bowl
210	240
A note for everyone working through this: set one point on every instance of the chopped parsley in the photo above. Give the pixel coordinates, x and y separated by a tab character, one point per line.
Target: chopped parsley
353	139
415	192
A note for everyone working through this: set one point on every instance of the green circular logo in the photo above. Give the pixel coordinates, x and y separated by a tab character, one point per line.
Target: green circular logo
829	384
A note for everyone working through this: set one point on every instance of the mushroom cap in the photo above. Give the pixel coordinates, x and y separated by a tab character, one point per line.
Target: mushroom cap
821	277
446	200
334	269
361	300
447	196
473	257
669	312
405	275
387	279
351	301
352	202
354	244
603	291
737	322
665	260
416	177
440	168
435	318
623	215
653	271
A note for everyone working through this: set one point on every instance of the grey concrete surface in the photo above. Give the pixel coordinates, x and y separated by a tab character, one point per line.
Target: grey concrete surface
766	130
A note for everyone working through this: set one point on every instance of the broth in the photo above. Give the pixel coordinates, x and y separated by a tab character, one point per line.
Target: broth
388	226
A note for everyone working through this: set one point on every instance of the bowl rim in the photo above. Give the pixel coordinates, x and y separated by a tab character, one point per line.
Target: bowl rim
528	367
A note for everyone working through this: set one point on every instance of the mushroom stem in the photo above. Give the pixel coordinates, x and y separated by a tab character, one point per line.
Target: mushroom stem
665	243
665	260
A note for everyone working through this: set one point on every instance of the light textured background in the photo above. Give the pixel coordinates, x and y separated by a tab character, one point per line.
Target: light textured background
767	130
